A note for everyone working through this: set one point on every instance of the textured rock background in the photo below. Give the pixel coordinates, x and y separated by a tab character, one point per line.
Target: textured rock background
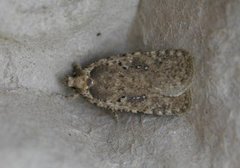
40	39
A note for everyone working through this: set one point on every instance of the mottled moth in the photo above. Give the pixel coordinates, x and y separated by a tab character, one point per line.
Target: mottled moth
156	82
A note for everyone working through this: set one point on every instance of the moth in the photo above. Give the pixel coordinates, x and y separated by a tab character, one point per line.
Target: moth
155	82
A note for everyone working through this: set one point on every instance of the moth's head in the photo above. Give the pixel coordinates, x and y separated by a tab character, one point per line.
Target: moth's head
80	81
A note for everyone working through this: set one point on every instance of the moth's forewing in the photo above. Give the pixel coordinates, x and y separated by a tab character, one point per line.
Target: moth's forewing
149	82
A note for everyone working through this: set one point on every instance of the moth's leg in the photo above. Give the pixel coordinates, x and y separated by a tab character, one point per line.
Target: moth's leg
115	115
74	96
141	120
77	70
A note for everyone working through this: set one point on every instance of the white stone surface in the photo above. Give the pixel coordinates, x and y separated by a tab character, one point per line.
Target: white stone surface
40	128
